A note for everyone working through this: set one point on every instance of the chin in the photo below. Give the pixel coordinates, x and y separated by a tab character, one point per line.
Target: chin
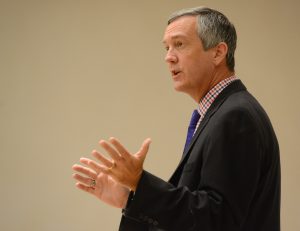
179	87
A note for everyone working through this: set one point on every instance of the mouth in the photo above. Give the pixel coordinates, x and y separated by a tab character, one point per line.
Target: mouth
175	73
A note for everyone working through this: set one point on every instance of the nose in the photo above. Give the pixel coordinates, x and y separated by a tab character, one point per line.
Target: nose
171	57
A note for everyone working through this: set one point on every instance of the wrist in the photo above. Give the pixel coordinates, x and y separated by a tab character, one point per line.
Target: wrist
126	198
136	182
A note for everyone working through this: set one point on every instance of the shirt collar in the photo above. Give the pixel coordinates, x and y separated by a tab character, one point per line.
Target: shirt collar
209	98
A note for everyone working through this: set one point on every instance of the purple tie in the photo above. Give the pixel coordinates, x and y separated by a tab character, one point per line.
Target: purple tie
192	127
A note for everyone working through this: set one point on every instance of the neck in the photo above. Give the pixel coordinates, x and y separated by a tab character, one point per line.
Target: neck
214	80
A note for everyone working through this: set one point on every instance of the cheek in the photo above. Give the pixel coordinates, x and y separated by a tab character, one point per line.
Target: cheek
197	68
200	73
202	65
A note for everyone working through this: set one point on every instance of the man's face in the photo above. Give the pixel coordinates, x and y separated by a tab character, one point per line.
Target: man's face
191	67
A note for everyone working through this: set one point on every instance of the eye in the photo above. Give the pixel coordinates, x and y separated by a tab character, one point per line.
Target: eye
178	44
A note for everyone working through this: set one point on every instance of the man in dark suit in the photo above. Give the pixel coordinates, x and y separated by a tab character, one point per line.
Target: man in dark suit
229	176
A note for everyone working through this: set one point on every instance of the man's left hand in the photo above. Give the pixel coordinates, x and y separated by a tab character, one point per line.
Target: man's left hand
124	167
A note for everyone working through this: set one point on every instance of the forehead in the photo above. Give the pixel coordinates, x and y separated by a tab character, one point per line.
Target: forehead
184	26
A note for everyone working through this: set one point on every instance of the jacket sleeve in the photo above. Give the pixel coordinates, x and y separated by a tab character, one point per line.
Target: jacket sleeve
228	179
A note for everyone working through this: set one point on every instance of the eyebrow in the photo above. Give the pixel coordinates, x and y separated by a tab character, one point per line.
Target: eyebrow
175	36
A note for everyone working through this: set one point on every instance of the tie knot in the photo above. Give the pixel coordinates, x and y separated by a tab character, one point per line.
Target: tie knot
195	118
191	130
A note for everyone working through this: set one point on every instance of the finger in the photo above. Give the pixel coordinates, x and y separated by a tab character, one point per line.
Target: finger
84	180
84	170
92	164
111	151
91	173
85	188
144	149
105	170
121	149
101	158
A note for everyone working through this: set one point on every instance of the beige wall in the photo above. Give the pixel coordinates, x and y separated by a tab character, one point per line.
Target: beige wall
72	72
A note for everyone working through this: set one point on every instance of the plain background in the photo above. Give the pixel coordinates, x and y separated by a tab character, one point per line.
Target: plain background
73	72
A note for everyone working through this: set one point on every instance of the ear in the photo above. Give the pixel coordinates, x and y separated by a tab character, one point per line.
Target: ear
220	53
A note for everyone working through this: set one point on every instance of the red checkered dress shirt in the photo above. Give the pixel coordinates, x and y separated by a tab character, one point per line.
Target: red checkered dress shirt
209	98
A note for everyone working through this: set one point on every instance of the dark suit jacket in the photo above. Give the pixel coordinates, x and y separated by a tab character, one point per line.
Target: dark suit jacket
227	180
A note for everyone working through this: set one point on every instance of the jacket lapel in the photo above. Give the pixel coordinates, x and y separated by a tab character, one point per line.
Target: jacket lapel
229	90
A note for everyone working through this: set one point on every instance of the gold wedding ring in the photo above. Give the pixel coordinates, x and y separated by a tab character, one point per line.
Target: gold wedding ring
93	183
113	165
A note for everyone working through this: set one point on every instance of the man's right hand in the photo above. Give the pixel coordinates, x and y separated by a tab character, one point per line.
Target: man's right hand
105	188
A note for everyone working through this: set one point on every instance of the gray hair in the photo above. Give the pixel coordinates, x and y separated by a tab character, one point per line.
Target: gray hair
213	27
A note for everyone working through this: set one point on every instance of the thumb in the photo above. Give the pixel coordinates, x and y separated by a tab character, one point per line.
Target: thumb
144	149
